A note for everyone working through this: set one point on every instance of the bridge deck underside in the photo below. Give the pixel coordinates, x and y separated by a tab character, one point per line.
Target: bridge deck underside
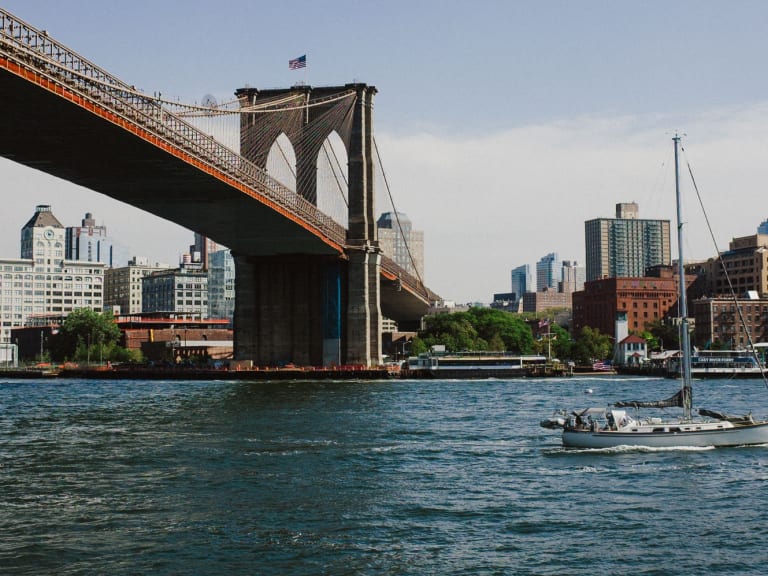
404	307
80	147
44	131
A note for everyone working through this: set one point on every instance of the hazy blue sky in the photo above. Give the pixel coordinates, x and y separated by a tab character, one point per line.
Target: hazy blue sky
503	126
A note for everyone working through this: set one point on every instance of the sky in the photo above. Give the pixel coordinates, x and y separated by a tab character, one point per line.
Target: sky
502	125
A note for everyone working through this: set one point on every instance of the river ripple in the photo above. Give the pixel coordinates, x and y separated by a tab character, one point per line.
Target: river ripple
394	477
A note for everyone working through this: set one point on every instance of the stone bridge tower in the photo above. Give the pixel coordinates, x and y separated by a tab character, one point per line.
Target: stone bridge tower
313	309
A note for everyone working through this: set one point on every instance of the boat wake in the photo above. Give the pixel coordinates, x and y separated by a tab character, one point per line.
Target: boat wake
625	449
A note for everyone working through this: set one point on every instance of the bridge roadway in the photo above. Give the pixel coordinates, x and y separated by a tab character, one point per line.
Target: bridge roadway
56	130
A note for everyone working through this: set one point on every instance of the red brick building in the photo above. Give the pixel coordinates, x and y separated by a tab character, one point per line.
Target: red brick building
176	336
642	299
717	321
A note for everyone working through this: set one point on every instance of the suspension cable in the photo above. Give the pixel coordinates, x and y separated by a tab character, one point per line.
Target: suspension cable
397	216
333	171
270	105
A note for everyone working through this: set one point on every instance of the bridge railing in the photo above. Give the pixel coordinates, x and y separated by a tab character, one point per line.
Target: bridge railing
407	279
34	49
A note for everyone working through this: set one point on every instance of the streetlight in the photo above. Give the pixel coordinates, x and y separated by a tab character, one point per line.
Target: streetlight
405	343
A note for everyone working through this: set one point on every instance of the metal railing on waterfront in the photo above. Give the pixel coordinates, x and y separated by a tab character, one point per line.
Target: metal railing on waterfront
34	50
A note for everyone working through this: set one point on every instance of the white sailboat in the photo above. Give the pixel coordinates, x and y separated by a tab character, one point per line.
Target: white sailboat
615	426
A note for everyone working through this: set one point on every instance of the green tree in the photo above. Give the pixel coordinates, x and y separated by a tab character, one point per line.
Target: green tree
510	328
496	344
418	346
478	329
591	345
454	330
560	342
664	335
85	333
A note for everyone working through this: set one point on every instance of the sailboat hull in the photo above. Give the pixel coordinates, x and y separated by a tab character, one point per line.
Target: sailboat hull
610	428
669	438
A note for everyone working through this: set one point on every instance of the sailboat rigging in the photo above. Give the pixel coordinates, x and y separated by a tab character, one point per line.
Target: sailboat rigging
611	427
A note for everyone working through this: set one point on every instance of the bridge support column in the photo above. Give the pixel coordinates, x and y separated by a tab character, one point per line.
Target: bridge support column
287	310
331	293
364	310
356	337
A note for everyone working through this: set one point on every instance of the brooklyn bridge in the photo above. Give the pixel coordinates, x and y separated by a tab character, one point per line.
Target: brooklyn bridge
311	288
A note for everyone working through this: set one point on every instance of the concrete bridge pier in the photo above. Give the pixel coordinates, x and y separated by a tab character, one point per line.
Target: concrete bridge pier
288	309
308	310
364	308
364	311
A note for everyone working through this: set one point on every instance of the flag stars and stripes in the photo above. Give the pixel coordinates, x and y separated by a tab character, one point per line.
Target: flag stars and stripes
296	63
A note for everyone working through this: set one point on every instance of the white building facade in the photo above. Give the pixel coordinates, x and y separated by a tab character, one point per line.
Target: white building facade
42	281
88	242
122	286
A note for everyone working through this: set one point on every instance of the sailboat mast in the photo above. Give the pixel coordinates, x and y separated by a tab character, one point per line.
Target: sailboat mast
685	344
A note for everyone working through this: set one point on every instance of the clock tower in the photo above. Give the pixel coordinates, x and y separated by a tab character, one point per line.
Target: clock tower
42	240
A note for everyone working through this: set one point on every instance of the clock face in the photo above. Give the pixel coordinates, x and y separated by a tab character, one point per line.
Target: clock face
49	233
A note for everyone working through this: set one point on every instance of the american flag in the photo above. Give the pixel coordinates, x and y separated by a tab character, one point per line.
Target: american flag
601	366
296	63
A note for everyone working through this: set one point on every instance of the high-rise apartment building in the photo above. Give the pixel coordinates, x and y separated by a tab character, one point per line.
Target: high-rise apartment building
201	250
88	242
573	277
122	286
400	242
43	281
182	290
548	272
221	285
521	280
626	245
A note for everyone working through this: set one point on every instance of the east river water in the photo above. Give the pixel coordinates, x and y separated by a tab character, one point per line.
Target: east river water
391	477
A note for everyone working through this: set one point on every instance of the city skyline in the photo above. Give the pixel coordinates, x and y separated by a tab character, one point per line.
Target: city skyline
591	96
186	255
